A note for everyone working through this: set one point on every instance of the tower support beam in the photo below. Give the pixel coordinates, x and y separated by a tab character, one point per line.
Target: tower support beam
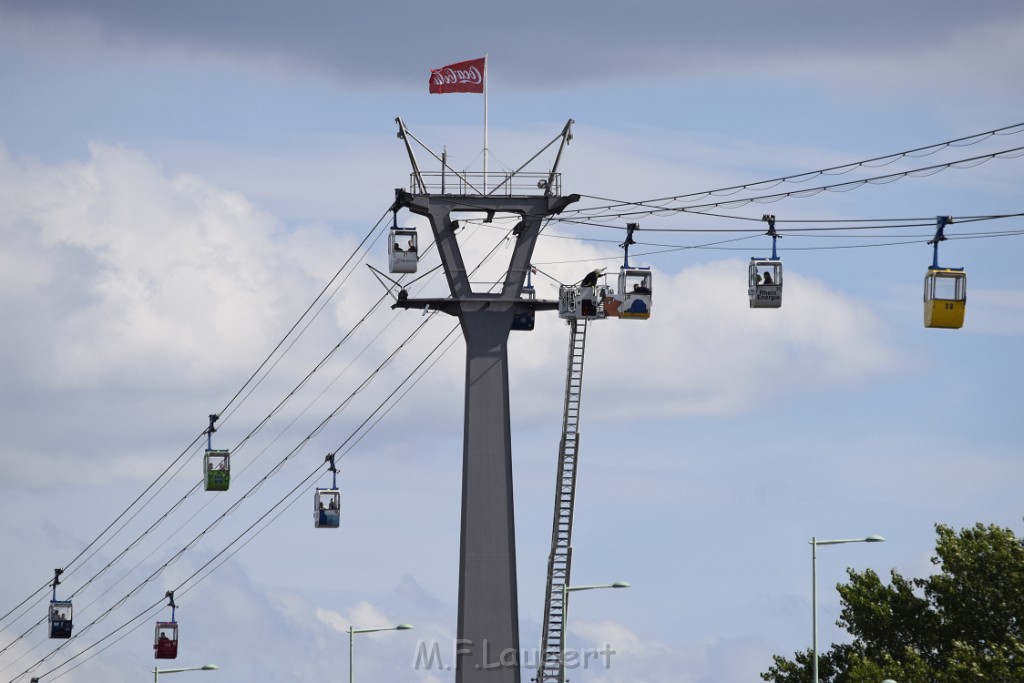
487	646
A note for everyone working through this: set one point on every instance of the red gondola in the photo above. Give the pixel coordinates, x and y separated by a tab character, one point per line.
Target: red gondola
165	638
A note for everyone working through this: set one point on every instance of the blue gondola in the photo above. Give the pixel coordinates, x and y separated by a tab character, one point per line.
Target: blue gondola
764	275
216	463
165	638
60	616
327	502
945	289
525	319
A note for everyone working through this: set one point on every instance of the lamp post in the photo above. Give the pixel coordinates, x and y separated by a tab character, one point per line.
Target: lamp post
814	586
566	589
353	631
204	667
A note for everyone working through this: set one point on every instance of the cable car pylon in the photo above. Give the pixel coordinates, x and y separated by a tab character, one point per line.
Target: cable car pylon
488	618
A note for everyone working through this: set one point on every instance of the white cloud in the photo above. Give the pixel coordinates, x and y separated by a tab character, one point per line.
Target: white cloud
704	351
129	273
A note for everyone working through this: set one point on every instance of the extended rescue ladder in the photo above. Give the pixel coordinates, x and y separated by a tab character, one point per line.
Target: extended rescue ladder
560	559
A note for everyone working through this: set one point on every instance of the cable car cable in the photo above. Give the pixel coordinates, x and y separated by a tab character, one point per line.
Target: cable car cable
807	192
71	565
406	385
834	170
274	470
692	247
152	608
362	386
847	186
180	456
81	631
180	589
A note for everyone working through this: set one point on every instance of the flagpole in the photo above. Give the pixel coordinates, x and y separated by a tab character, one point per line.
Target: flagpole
485	122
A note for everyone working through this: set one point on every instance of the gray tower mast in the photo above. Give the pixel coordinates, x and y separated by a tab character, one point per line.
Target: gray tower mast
487	645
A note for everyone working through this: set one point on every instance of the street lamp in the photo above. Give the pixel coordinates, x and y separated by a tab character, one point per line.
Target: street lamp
204	667
814	586
566	589
353	631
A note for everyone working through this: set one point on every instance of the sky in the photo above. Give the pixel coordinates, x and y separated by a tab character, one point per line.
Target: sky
190	193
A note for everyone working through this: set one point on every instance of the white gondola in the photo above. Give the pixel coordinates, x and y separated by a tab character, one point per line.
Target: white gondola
592	299
327	509
635	291
327	501
403	250
764	283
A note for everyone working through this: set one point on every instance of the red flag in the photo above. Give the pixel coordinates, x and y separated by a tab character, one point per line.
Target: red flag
460	77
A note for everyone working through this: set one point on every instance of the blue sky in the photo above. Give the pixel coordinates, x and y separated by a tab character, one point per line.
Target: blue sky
180	181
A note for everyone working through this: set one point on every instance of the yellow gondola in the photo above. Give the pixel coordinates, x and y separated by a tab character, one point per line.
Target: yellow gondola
945	289
945	297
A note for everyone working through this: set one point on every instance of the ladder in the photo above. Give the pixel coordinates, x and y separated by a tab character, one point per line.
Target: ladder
559	561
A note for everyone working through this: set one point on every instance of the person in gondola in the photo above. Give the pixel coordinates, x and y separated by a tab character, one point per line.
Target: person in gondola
639	288
768	278
333	504
412	246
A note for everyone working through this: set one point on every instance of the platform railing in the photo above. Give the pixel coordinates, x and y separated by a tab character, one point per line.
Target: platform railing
497	184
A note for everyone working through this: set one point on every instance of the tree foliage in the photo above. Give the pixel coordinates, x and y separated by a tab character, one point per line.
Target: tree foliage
964	623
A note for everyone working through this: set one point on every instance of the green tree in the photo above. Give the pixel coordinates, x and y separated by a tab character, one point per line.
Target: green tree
965	623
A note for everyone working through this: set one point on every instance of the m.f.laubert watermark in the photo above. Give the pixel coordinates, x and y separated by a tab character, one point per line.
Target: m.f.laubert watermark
428	657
